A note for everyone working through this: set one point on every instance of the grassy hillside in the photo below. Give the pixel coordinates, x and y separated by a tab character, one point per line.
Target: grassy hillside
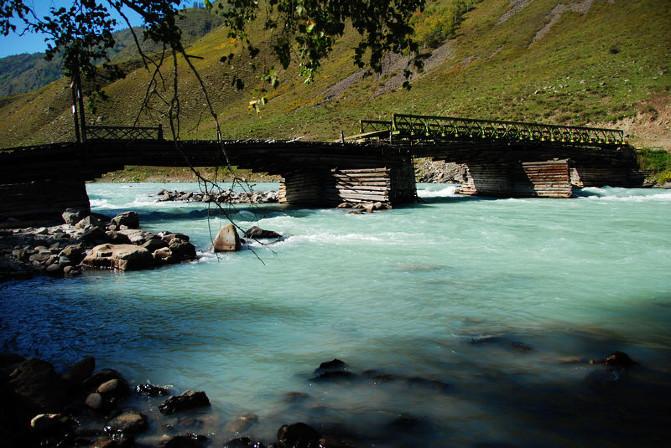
578	62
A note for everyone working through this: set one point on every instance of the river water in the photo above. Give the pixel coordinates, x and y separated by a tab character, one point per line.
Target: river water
471	307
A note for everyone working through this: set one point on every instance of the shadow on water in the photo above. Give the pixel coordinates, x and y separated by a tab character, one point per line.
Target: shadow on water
513	395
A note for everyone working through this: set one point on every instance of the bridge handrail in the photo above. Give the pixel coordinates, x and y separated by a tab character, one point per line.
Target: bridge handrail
499	129
366	126
110	132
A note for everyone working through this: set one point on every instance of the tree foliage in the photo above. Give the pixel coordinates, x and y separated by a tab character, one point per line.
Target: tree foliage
302	30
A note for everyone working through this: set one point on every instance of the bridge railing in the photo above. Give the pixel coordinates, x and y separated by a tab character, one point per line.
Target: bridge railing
124	132
367	126
425	127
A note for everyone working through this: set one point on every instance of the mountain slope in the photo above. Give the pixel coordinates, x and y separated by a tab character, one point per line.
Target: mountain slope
26	72
599	62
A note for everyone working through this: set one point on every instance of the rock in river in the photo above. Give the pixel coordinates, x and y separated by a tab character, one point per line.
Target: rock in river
188	400
123	257
259	233
227	239
298	435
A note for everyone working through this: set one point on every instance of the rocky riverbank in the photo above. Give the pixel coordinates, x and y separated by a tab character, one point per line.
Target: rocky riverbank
226	196
84	407
88	241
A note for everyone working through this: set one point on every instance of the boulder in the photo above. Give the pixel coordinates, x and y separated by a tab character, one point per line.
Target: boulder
115	237
227	239
123	257
93	236
92	383
154	244
94	401
164	256
89	221
129	422
298	435
113	389
72	216
188	400
259	233
137	236
130	220
38	384
74	252
80	371
334	370
182	250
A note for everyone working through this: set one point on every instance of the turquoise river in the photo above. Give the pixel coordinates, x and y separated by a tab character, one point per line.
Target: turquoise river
476	314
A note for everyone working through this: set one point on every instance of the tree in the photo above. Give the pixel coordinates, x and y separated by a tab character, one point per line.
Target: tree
303	31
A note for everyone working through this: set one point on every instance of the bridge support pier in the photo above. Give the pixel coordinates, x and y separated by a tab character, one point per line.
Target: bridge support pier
546	179
391	185
40	202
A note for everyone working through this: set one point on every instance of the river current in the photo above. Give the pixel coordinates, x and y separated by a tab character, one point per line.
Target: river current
471	311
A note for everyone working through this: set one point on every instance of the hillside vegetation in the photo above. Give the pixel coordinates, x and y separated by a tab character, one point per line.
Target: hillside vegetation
584	62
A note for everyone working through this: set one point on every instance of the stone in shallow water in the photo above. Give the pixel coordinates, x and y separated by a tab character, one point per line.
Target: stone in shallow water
334	370
189	440
130	220
259	233
297	435
227	239
188	400
616	359
243	442
152	390
123	257
130	422
94	401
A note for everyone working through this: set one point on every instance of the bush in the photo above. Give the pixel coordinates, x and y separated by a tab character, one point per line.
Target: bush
440	21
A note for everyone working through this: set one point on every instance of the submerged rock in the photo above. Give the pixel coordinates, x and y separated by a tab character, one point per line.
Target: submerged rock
130	422
189	440
188	400
297	435
259	233
227	239
334	370
152	390
616	359
243	442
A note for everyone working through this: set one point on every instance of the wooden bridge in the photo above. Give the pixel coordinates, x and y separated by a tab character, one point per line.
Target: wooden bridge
504	158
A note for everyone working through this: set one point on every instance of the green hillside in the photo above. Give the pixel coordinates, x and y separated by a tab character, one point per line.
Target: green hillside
597	62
